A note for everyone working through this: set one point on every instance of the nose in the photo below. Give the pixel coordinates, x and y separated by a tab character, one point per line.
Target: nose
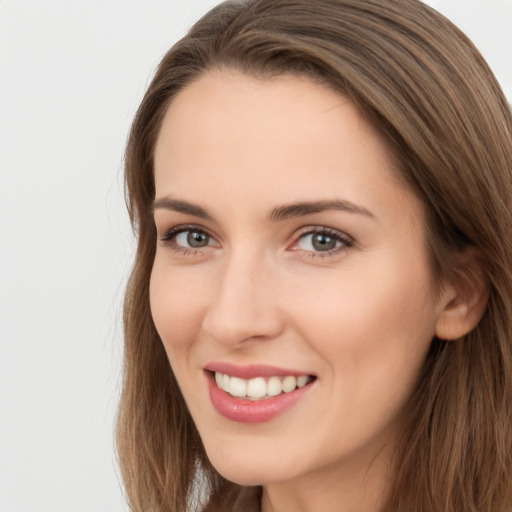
244	306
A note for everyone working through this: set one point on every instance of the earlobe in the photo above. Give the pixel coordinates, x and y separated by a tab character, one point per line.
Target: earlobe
464	300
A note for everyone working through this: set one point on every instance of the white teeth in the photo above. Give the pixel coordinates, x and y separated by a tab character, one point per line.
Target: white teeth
256	388
289	383
237	387
302	381
259	387
274	386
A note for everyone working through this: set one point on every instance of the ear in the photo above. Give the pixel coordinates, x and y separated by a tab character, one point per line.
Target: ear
464	299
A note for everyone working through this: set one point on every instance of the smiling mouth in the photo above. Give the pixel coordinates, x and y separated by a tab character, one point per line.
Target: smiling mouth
260	388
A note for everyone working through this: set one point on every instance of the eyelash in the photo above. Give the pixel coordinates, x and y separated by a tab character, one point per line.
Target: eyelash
345	241
169	239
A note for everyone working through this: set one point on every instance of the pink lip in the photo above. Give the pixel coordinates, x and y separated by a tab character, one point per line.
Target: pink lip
251	371
247	411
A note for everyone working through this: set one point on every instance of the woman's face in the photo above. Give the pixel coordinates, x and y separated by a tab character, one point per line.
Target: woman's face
291	267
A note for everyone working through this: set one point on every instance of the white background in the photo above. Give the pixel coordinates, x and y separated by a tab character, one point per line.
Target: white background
71	75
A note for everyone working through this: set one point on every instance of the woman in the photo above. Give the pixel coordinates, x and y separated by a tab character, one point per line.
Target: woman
319	314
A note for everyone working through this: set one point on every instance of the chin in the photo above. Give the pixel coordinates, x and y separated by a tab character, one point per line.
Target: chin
248	471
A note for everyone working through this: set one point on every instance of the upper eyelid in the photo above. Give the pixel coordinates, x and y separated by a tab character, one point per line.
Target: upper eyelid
324	229
299	232
180	228
320	228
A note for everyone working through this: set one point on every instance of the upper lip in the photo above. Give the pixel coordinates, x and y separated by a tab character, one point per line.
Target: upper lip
252	370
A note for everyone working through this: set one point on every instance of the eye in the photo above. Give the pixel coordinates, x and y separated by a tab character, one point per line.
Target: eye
322	241
183	238
191	238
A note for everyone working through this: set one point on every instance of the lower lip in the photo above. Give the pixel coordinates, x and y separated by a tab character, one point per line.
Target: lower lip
249	411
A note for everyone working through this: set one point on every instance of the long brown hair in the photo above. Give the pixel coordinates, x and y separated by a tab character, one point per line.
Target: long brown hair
423	84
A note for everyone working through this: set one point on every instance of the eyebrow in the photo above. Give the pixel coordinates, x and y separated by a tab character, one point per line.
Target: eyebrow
311	207
299	209
167	203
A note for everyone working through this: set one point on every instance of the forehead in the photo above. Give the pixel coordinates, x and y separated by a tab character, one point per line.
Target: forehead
273	140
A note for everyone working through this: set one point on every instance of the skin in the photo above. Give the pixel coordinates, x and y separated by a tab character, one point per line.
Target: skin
359	317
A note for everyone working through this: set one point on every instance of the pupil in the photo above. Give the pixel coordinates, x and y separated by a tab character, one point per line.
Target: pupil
323	242
196	239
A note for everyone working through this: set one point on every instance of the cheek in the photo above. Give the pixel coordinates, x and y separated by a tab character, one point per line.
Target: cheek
175	302
175	306
373	335
373	325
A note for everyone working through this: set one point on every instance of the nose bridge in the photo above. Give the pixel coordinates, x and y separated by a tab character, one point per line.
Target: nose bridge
244	305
